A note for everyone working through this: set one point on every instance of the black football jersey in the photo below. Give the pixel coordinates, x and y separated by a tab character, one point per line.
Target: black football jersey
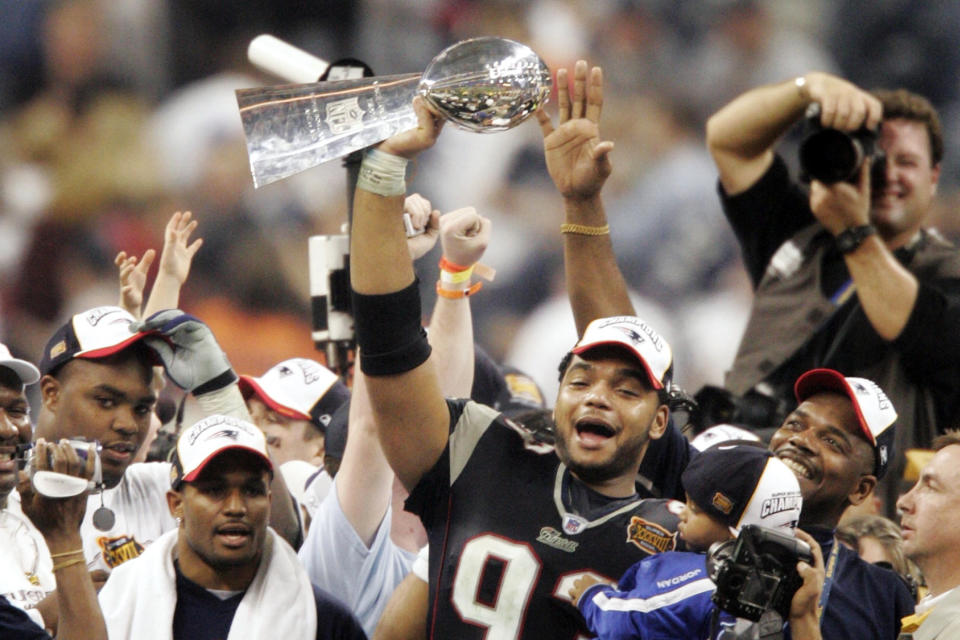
504	550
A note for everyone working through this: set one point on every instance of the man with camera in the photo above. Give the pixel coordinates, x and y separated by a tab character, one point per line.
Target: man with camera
845	275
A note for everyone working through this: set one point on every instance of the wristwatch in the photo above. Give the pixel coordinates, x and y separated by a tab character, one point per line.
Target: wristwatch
849	239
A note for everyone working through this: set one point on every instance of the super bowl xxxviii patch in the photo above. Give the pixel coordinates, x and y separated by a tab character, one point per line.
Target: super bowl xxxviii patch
650	536
118	550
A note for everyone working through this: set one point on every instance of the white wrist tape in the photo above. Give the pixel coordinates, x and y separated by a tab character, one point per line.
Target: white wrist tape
383	173
227	401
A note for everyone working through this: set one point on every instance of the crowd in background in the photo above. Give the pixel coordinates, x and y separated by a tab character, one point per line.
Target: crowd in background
116	113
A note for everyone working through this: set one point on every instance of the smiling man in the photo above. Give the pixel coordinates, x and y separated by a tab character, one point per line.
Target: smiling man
846	275
222	572
27	576
511	521
838	442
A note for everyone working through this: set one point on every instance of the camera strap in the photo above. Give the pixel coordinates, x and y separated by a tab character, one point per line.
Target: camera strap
829	569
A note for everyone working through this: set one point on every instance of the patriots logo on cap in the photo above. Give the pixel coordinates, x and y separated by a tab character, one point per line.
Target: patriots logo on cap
635	337
233	434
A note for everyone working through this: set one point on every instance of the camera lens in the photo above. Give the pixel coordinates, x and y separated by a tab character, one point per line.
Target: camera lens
830	156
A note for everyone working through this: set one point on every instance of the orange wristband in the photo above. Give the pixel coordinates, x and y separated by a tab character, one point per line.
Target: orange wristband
455	294
452	267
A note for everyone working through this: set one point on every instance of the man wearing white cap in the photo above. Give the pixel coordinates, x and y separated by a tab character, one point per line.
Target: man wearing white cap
839	442
293	403
222	573
27	575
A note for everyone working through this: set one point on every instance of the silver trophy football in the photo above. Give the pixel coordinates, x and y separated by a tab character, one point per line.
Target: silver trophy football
483	84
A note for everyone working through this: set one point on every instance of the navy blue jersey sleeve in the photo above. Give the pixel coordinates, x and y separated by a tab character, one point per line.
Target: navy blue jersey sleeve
764	216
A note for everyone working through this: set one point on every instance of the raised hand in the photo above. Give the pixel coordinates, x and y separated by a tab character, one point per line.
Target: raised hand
133	279
178	251
425	223
464	236
843	105
407	144
577	158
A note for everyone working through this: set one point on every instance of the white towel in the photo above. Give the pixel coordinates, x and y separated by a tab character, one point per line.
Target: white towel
139	599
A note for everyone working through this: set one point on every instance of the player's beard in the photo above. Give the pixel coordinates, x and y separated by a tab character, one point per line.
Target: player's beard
625	460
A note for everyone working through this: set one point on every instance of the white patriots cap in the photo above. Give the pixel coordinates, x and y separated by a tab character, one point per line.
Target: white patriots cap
27	373
95	333
299	388
875	412
210	437
637	337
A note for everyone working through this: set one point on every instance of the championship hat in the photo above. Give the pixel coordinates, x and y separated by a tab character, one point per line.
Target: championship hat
27	373
637	337
95	333
210	437
299	388
741	483
875	412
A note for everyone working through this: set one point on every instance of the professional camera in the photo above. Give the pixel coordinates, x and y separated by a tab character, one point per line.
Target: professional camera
757	572
831	155
60	485
754	411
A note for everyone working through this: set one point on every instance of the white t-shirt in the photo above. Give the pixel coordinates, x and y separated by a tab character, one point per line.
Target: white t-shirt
26	570
139	504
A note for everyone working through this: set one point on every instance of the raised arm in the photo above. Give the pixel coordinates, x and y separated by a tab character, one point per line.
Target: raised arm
408	406
742	135
579	163
464	235
175	260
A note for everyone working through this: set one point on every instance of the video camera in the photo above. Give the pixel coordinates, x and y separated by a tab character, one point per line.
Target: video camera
757	572
60	485
831	155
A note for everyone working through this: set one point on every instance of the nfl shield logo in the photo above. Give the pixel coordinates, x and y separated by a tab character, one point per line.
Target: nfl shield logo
572	524
344	116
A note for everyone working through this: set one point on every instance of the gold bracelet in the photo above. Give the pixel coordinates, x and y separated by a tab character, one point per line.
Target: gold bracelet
68	563
584	230
54	556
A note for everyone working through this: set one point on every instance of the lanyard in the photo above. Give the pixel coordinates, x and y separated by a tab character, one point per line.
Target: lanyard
829	570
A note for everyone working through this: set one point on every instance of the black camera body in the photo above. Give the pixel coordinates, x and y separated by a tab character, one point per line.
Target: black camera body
757	572
831	155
